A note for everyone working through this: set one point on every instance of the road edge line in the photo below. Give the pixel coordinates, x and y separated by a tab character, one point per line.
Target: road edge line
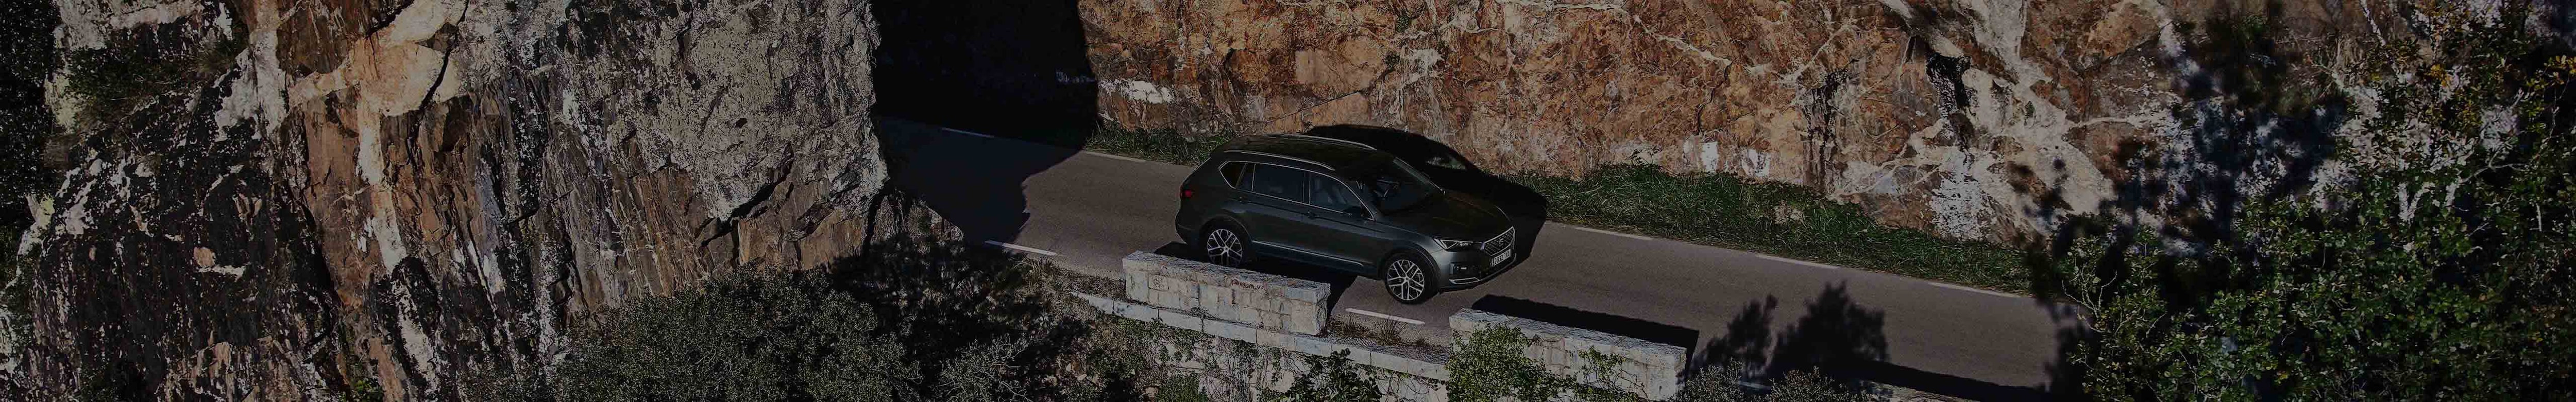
1589	229
1796	261
998	243
1123	158
1974	289
969	133
1391	317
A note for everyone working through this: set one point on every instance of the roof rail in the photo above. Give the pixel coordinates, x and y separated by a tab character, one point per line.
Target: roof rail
1336	140
1292	158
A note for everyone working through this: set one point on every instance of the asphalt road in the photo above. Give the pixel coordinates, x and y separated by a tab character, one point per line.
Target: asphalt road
1087	210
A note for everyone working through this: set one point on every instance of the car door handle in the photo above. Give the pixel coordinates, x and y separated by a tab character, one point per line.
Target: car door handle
1310	215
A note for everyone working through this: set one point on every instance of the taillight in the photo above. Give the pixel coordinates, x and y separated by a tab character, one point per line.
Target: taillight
1186	193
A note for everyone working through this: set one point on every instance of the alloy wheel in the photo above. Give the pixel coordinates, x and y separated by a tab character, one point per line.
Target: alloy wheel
1404	279
1224	247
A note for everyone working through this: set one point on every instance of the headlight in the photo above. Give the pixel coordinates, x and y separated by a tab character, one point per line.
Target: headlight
1454	245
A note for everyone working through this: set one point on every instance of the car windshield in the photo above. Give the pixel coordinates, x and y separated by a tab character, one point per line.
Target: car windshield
1391	185
1445	159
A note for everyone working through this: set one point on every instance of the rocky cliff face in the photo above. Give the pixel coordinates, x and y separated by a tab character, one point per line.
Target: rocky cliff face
1976	119
268	199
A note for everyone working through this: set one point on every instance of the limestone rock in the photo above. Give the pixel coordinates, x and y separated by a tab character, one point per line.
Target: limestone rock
282	200
1975	119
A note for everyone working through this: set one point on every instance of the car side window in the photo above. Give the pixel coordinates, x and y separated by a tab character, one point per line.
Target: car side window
1280	181
1233	172
1331	194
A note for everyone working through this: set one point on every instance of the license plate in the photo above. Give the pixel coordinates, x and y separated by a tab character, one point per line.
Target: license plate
1500	258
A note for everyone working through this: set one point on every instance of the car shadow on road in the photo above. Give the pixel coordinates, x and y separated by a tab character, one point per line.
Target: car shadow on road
1339	280
1837	336
1001	70
1613	324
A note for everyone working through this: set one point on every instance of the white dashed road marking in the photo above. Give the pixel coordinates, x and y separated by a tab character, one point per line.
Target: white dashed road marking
1118	157
1612	233
1020	248
1383	315
1988	292
1795	261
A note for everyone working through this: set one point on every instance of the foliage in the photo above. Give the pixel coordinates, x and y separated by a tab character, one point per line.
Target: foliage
912	318
1181	388
1490	366
1775	218
2438	272
1157	145
1713	385
788	337
26	123
1332	379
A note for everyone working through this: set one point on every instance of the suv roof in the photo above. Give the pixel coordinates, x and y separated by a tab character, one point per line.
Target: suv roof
1332	153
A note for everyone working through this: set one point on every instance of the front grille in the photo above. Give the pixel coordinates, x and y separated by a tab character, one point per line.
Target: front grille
1499	244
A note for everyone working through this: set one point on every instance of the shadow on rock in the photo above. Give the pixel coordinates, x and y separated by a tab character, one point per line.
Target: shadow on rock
1837	336
958	81
1649	331
949	302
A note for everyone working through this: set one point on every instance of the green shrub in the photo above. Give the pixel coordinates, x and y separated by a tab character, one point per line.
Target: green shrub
1490	366
1332	379
2432	275
1163	145
1716	383
743	338
912	318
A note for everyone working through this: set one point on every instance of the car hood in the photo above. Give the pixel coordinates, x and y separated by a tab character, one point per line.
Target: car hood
1455	216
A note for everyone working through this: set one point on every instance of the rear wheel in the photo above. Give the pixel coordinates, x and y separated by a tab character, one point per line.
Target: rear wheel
1225	244
1408	277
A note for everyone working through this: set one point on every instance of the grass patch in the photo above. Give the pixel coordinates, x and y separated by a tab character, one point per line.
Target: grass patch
1771	218
1157	145
1712	209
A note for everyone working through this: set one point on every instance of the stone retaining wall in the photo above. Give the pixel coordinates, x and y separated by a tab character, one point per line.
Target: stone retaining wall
1652	370
1285	314
1401	376
1261	300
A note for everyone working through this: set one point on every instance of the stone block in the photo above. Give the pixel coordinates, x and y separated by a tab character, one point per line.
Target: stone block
1400	363
1139	312
1362	356
1436	372
1227	330
1217	295
1219	312
1310	345
1306	291
1268	338
1180	319
1136	289
1272	321
1304	318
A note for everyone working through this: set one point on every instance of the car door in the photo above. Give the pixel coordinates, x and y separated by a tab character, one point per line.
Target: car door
1344	230
1278	216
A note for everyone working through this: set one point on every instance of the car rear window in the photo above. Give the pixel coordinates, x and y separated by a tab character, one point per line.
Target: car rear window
1233	172
1281	181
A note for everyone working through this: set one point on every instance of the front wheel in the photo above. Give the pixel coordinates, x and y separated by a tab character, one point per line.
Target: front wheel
1408	278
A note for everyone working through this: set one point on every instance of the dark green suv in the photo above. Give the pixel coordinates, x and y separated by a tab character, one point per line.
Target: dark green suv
1344	205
